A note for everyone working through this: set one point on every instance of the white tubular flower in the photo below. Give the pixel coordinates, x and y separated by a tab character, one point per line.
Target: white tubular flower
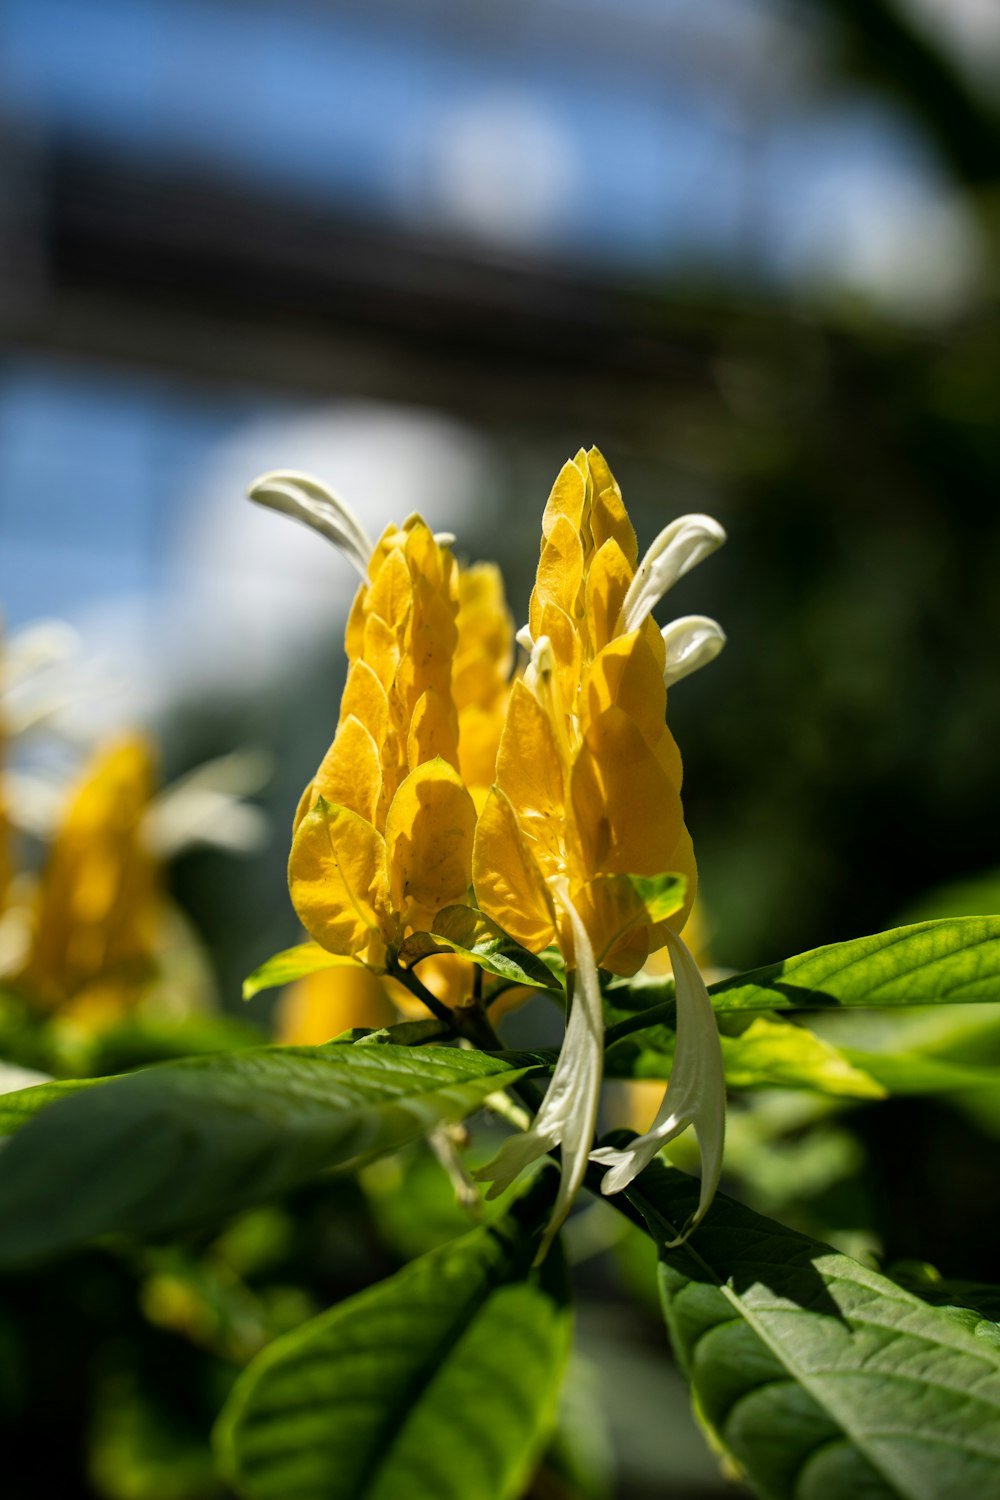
692	642
696	1094
205	808
678	548
45	644
568	1115
308	500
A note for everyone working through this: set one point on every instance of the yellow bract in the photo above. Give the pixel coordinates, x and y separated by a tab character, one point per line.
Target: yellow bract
95	916
480	685
588	775
384	833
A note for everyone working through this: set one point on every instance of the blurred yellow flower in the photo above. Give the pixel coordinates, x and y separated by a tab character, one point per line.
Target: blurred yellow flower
94	916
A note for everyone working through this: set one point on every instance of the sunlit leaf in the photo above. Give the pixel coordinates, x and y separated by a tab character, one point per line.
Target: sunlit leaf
953	960
661	895
818	1376
289	965
438	1384
465	931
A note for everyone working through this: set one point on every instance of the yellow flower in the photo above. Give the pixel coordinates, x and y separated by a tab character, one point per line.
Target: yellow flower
484	657
94	920
588	780
383	836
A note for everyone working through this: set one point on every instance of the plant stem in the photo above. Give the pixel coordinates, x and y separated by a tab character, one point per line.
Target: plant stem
419	989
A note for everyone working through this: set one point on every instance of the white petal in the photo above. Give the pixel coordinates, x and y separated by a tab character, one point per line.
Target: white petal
523	638
568	1113
35	803
691	642
576	1083
308	500
696	1093
204	808
678	548
44	644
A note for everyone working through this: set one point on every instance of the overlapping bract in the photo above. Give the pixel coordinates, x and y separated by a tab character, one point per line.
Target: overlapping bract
588	775
484	657
384	832
587	797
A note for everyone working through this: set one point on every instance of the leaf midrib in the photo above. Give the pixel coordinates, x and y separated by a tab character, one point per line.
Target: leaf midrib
787	1362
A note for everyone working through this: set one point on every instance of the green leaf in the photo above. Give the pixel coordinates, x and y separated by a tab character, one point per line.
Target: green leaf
402	1034
905	1073
976	1304
291	964
772	1053
438	1384
932	963
661	895
190	1142
819	1377
465	931
21	1105
138	1040
759	1053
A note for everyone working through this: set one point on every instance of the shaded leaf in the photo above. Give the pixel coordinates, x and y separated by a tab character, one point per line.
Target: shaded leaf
21	1105
820	1377
190	1142
438	1384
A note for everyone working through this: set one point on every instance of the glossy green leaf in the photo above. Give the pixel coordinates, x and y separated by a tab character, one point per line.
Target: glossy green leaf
465	931
976	1304
291	964
21	1105
187	1143
931	963
438	1384
820	1378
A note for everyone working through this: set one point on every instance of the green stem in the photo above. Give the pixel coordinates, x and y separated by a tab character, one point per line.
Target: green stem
656	1015
419	989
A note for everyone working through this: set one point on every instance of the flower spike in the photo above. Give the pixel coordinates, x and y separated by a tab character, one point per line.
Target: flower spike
383	832
587	791
696	1093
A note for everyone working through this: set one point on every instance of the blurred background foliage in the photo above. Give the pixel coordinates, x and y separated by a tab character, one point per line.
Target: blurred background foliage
750	251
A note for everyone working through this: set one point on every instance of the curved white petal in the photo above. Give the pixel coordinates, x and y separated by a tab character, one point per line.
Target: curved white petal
678	548
308	500
692	642
696	1094
568	1114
